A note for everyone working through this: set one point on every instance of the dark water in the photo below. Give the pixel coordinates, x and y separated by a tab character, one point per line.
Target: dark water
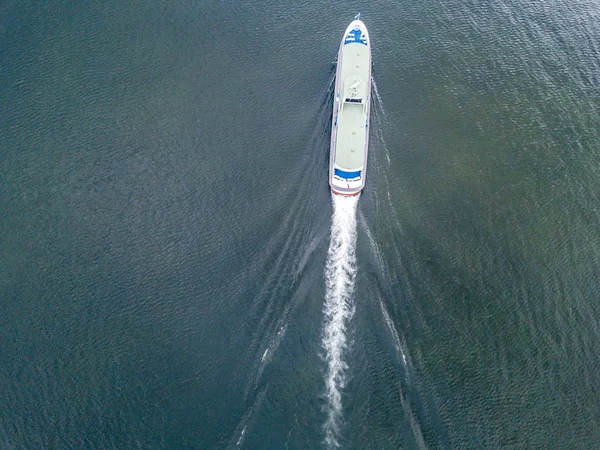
165	225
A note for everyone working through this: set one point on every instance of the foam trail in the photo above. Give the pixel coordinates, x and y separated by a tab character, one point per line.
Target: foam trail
378	101
379	109
392	329
340	273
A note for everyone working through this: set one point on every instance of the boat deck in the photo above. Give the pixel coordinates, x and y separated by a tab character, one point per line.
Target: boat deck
351	135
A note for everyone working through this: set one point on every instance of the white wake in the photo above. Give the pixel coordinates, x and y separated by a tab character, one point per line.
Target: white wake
340	273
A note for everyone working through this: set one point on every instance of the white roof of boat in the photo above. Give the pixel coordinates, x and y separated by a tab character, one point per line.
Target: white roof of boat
355	78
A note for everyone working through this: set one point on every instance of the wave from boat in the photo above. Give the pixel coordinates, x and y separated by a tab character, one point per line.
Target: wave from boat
340	273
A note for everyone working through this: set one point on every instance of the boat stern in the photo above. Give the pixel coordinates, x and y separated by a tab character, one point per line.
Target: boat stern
345	182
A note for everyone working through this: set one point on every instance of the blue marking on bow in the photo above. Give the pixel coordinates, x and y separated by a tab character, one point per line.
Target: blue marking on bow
355	36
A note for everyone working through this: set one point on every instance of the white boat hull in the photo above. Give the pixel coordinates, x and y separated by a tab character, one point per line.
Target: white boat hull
351	112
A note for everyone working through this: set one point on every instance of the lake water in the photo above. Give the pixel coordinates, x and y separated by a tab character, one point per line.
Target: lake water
174	272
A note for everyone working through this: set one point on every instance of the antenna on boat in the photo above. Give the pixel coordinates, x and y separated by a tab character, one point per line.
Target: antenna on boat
357	17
